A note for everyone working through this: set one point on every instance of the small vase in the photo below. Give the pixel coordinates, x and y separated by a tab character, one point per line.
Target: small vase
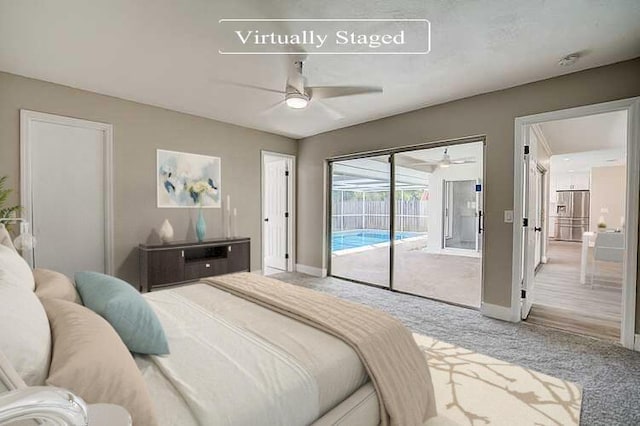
166	232
201	227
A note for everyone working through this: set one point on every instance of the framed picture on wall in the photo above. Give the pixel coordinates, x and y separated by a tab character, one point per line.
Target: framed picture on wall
187	180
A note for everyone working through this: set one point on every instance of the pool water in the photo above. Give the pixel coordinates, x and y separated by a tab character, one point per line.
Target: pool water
366	237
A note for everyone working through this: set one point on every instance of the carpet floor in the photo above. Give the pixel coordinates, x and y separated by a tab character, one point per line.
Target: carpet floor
608	374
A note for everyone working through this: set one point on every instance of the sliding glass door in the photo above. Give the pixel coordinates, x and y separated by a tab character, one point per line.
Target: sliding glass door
436	218
360	219
438	221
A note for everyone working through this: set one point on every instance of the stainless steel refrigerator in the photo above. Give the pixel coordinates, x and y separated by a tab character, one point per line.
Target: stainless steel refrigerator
572	215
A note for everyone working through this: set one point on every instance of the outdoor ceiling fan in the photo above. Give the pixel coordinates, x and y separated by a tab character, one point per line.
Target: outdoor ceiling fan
297	95
447	161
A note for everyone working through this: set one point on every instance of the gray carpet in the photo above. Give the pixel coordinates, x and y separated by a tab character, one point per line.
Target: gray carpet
608	374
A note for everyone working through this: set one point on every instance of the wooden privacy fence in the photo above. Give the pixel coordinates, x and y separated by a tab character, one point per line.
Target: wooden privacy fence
411	215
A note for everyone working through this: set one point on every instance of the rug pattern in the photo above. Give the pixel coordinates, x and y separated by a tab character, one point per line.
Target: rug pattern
475	389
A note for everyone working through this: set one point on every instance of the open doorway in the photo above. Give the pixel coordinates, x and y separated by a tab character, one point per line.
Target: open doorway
578	238
428	241
278	194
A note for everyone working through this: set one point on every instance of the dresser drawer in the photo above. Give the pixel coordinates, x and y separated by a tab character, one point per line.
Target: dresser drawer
205	268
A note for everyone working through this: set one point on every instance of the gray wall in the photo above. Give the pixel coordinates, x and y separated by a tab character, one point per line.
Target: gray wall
138	131
490	114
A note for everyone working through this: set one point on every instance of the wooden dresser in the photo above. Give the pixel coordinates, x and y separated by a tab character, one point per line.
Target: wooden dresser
178	262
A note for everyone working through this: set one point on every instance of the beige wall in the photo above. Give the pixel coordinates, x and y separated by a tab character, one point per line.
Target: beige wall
491	114
608	189
138	131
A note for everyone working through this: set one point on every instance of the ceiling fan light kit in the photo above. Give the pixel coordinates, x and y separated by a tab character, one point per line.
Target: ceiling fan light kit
296	100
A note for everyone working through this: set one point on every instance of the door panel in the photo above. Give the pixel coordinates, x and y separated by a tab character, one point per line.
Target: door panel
68	197
538	220
529	234
437	247
238	257
360	210
275	210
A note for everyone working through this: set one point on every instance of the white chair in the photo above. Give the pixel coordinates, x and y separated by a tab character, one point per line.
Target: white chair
57	406
609	247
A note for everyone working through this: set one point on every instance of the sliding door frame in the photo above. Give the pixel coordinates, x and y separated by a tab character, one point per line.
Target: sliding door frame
391	152
329	219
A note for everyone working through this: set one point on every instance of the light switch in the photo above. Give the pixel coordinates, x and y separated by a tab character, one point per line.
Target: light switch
508	216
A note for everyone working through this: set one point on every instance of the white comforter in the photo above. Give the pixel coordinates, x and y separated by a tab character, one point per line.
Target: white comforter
234	362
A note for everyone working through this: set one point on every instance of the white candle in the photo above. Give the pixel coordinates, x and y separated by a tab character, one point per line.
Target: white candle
235	212
228	202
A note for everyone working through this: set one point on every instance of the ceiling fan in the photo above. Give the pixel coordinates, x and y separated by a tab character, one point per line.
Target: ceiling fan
297	95
447	161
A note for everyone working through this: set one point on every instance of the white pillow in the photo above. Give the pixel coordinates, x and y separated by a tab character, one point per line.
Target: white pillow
13	263
25	336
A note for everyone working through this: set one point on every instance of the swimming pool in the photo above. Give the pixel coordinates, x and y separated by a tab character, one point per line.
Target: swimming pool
364	237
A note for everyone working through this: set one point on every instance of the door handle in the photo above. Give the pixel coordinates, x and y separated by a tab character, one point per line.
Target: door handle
537	229
266	219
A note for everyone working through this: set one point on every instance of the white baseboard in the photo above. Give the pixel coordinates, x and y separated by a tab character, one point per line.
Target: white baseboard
636	343
311	270
498	312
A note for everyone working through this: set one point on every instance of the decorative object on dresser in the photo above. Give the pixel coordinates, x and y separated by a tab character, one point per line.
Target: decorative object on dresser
179	262
166	232
188	180
201	227
227	218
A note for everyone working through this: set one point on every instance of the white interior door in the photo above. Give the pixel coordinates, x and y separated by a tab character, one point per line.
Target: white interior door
529	233
538	218
276	206
66	173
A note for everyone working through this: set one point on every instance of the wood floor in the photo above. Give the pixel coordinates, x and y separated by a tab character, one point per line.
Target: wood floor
560	301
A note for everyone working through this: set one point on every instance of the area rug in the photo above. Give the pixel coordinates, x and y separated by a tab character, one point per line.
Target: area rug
474	389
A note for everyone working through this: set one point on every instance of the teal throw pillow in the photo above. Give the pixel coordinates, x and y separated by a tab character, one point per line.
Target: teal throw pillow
125	309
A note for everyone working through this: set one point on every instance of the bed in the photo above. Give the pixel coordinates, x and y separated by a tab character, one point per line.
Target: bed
244	350
291	373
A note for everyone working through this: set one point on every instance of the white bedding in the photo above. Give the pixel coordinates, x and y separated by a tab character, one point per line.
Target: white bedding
234	362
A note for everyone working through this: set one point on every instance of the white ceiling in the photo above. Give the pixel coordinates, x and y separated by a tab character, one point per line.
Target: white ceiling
581	162
164	52
590	133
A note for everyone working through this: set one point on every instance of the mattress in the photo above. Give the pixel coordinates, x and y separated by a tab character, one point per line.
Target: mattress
233	362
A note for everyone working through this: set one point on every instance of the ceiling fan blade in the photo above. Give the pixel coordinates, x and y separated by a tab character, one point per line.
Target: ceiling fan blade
426	163
324	92
330	111
249	86
271	108
464	160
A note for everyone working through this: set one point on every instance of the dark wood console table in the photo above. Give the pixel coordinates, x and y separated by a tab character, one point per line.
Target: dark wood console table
178	262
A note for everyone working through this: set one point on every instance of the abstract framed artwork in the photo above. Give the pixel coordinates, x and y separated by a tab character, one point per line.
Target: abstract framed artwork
187	180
